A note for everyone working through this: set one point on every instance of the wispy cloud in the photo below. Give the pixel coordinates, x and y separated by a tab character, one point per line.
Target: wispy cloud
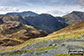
57	12
34	2
80	2
4	9
54	7
63	10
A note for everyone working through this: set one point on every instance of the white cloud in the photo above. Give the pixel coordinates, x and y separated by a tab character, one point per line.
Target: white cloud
5	9
56	11
63	10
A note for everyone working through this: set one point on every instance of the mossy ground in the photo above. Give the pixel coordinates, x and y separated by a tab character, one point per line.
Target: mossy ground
28	51
66	55
62	55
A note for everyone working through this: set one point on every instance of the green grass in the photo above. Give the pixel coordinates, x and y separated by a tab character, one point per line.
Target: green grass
27	51
45	48
66	55
75	55
62	55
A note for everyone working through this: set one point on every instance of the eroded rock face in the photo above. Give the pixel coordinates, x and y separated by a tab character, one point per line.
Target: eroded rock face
14	31
11	25
7	19
9	42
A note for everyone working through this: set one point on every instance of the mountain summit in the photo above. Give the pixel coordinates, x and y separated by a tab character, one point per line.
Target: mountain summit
25	13
45	22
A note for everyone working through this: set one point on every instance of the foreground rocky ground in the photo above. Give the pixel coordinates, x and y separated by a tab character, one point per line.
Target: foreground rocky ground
47	48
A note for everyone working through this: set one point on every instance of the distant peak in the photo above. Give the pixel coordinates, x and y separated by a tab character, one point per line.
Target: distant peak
76	12
28	12
44	14
24	13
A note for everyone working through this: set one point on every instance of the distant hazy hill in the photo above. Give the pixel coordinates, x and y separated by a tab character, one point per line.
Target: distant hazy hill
25	13
46	22
73	17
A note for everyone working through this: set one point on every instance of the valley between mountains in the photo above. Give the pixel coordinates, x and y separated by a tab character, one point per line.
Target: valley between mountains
31	34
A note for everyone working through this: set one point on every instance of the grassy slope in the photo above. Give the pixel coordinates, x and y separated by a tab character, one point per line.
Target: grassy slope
71	32
28	51
51	37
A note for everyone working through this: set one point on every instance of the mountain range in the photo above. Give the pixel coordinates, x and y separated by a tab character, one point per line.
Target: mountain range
25	13
45	22
14	31
37	24
17	28
29	30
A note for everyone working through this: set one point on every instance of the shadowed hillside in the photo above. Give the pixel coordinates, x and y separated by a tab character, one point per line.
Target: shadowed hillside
46	22
73	27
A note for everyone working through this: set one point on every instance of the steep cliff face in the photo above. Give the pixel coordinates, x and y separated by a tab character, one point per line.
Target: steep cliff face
45	22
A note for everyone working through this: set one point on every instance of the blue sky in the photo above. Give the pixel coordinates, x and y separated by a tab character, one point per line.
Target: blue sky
54	7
